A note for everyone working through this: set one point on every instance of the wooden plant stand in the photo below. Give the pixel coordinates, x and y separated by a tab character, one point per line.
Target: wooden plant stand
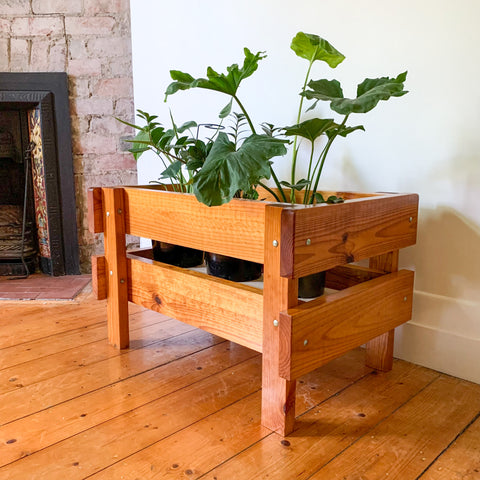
291	241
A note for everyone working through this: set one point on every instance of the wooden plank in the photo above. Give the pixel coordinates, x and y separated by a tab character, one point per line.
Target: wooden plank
116	263
99	277
235	229
83	455
327	429
403	445
278	394
198	360
232	311
320	237
461	460
379	350
323	329
95	210
346	276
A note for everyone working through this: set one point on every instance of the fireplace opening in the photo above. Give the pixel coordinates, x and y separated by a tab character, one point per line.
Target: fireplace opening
37	199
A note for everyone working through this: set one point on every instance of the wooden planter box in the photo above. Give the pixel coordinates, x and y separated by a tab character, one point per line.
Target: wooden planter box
291	241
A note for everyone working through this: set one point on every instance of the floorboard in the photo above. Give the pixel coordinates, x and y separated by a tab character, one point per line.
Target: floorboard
181	403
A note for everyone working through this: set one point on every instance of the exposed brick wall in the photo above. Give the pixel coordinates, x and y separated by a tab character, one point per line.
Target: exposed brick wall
90	40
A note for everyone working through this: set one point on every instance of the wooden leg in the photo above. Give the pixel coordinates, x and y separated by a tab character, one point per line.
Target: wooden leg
116	268
379	354
278	394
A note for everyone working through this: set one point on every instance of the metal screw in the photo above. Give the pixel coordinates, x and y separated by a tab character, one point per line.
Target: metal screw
308	242
410	219
122	280
108	214
119	211
111	272
305	342
275	323
275	243
404	299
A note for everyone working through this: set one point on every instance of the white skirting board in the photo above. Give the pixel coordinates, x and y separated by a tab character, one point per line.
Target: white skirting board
444	334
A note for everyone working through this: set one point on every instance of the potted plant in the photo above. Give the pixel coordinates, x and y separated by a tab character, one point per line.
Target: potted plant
233	166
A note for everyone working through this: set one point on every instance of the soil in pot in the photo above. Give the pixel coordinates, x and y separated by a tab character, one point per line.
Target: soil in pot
231	268
312	285
176	255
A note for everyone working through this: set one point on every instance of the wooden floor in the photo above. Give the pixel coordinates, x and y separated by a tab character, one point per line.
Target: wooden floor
181	403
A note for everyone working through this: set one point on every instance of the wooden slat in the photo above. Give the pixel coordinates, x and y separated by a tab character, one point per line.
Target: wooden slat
278	394
235	229
379	350
323	329
232	311
116	264
320	237
346	276
403	445
95	210
99	277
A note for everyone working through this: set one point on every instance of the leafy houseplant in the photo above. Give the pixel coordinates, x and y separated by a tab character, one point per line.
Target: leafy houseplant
229	167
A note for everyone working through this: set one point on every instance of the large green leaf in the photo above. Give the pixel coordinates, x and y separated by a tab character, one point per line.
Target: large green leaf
219	82
310	129
369	93
312	47
227	170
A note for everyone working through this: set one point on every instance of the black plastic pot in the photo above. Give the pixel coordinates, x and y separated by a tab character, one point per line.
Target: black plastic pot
312	285
176	255
231	268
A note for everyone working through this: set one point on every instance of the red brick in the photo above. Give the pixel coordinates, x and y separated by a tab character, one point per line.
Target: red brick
94	7
114	87
108	47
57	6
85	67
19	55
110	126
4	56
92	106
124	108
94	144
77	48
89	25
15	7
5	27
32	26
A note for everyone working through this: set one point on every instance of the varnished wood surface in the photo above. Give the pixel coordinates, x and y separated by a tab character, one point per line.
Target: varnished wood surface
182	403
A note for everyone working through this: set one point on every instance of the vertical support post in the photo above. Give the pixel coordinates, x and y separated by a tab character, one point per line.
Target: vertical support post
278	394
116	267
379	354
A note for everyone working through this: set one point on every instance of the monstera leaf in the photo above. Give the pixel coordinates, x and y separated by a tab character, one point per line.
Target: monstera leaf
369	93
310	129
219	82
312	47
228	170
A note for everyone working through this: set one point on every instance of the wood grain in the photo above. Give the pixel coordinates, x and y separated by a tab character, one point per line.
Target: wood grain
325	236
99	277
235	229
278	394
116	264
232	311
318	331
345	276
95	210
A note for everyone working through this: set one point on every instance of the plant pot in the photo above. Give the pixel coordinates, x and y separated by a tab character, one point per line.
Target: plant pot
231	268
176	255
312	285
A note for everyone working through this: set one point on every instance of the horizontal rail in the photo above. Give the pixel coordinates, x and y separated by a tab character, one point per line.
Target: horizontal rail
324	236
319	331
229	310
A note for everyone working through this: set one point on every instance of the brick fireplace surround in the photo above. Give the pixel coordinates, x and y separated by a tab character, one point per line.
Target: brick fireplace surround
90	41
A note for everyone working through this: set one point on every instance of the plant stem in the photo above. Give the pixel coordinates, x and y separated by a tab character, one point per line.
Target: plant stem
307	188
269	190
323	156
242	108
295	150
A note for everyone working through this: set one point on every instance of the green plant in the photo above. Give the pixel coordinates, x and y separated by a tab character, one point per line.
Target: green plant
233	166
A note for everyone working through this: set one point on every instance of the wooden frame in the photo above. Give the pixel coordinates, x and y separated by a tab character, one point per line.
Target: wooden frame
291	241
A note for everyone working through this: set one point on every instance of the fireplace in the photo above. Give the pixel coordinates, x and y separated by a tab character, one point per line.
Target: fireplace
37	198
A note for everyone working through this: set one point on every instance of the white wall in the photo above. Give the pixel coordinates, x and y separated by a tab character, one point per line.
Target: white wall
426	142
